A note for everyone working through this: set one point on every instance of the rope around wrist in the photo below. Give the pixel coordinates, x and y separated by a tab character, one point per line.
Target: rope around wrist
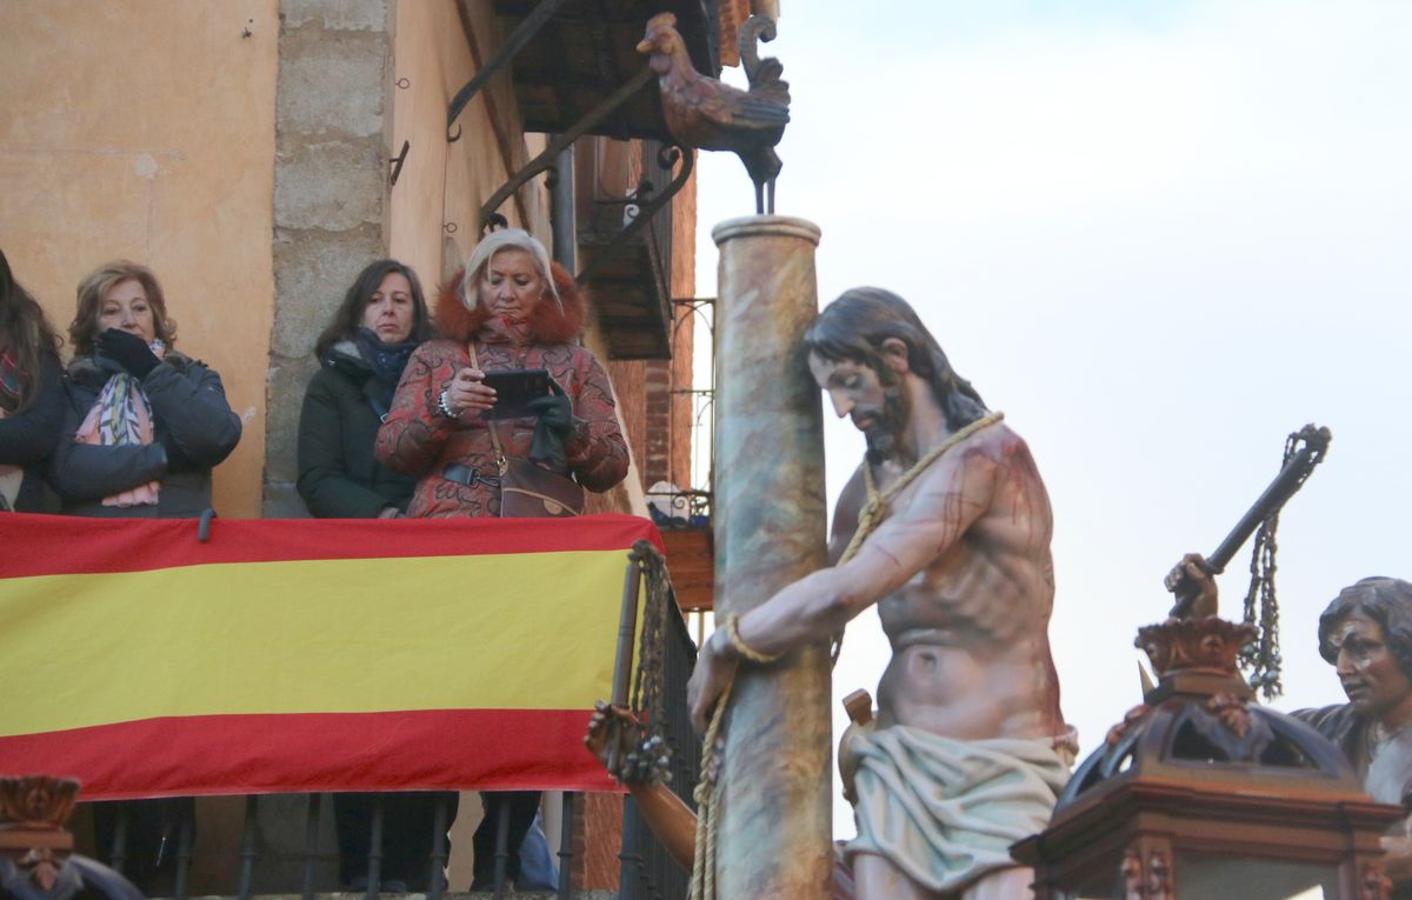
744	649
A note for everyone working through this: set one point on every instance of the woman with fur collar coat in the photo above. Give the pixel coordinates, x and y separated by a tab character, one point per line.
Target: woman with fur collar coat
520	312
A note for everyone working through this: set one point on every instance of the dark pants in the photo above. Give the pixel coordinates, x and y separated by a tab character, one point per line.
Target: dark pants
153	830
522	805
407	839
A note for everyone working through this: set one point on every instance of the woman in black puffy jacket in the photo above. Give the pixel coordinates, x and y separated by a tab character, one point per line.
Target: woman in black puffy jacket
382	319
146	424
31	395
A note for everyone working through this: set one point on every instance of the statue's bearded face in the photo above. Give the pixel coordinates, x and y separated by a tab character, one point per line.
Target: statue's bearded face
873	400
1367	668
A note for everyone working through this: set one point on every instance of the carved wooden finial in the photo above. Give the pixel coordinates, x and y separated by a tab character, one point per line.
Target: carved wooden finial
36	802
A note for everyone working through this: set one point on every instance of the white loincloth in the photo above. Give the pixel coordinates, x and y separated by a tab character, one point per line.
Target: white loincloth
946	811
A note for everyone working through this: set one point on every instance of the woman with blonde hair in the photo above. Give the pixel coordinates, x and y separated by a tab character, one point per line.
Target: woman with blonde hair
509	310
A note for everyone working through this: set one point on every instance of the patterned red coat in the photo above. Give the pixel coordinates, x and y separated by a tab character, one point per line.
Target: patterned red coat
418	440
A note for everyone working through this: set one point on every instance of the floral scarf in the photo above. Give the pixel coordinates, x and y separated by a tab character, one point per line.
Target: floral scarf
122	416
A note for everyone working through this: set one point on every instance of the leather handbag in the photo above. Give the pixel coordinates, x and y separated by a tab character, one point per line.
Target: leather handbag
528	491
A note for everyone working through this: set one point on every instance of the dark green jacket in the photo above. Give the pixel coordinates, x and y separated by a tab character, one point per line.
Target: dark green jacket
338	476
28	438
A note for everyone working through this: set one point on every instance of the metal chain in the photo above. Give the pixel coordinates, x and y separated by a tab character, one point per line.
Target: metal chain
1261	658
651	756
647	691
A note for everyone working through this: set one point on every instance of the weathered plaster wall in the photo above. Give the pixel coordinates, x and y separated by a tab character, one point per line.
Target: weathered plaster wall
356	81
433	207
146	130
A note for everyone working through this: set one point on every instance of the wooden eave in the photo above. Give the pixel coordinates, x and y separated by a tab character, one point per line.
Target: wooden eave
589	49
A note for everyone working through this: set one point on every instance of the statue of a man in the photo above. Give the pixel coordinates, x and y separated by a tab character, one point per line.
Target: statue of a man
1366	635
969	749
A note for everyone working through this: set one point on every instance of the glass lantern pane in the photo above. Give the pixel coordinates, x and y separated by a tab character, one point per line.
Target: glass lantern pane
1200	876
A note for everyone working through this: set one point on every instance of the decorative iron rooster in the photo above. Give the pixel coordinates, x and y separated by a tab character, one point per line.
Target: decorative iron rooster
702	112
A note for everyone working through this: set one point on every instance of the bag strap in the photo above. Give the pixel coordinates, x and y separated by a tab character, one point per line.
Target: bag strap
501	463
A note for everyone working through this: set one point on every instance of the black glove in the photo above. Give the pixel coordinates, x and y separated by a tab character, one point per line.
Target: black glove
555	425
127	350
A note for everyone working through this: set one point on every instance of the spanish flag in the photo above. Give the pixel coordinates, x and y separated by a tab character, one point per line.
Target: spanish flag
308	655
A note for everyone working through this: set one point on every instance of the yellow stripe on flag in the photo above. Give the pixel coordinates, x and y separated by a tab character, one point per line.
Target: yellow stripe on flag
511	631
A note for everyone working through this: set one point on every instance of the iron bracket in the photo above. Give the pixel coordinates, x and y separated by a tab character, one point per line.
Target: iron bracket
397	161
666	158
562	142
527	29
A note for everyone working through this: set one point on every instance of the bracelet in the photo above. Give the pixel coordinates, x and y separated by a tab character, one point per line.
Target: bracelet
744	649
444	407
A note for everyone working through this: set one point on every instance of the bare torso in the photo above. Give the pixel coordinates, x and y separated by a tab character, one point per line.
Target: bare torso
969	631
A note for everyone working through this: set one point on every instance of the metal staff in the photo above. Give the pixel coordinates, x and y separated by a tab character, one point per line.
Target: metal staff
622	664
1296	471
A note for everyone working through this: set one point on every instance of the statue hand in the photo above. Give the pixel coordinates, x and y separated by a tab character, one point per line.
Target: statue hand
715	667
605	729
1192	575
615	738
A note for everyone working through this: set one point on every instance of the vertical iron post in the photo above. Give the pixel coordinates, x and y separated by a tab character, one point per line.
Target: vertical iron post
247	846
119	857
627	630
311	838
566	847
502	846
563	212
185	826
375	850
436	883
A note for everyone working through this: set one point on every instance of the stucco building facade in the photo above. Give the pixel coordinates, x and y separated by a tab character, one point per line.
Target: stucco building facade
258	153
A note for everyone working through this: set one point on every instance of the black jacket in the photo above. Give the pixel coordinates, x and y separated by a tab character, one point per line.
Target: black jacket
194	430
338	476
28	438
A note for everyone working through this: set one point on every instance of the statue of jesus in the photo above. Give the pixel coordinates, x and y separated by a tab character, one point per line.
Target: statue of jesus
969	749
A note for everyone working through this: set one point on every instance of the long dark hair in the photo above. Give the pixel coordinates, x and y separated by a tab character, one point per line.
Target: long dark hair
83	330
854	326
24	331
1387	601
349	315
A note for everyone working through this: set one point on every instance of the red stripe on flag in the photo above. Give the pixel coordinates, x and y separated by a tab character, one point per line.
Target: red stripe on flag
492	749
63	545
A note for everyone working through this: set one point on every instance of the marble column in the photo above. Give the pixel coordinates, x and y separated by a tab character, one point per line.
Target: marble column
768	515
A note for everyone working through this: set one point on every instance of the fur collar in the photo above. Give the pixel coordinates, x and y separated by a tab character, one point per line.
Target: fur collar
547	324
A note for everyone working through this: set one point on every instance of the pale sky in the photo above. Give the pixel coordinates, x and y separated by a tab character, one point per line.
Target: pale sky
1159	236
